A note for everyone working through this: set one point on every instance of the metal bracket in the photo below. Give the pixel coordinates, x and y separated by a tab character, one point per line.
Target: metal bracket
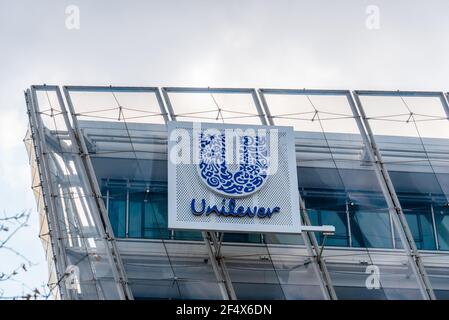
326	229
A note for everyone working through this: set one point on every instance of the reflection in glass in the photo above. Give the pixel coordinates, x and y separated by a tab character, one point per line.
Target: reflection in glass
371	229
147	214
442	222
329	210
419	219
117	211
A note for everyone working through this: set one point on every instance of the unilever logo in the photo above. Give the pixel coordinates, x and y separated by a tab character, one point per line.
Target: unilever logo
251	171
252	163
232	178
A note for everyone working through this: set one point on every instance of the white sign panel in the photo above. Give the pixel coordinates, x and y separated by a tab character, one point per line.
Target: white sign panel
235	178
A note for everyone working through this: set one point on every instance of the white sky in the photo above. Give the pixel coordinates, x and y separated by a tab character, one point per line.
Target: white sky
283	44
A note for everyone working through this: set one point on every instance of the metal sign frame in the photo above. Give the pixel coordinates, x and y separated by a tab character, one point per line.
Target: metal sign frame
290	190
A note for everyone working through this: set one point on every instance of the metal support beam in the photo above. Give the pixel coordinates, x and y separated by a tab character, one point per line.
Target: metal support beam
444	101
206	90
383	93
323	229
168	104
221	262
222	282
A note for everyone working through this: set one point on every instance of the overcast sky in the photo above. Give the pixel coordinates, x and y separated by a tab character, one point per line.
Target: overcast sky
282	44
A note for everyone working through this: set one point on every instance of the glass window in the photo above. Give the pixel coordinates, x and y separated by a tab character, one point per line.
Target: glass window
419	220
148	216
136	216
359	293
442	222
153	210
188	235
278	238
147	213
117	211
242	237
329	209
370	229
258	291
333	218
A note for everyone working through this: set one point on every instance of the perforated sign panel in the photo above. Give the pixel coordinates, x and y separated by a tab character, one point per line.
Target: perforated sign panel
233	178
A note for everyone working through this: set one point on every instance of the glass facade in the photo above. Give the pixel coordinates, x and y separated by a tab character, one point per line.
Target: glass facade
357	226
344	180
137	211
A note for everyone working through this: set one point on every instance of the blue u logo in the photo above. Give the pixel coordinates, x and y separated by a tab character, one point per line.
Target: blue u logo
252	164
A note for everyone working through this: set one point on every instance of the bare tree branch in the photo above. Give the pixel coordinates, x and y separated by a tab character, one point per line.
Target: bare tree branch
9	227
21	219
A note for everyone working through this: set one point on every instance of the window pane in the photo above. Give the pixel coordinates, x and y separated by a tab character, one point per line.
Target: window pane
155	216
117	211
370	229
278	238
135	216
188	235
326	208
442	222
419	219
242	237
333	218
357	293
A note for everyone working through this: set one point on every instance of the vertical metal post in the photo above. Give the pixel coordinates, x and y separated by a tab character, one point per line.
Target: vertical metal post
392	233
445	103
168	104
394	204
262	117
348	222
216	268
434	227
161	105
221	262
127	211
266	108
107	200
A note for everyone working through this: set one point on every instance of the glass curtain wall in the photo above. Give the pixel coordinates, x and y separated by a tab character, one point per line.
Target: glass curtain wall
124	132
72	211
44	225
260	268
339	185
420	171
131	165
